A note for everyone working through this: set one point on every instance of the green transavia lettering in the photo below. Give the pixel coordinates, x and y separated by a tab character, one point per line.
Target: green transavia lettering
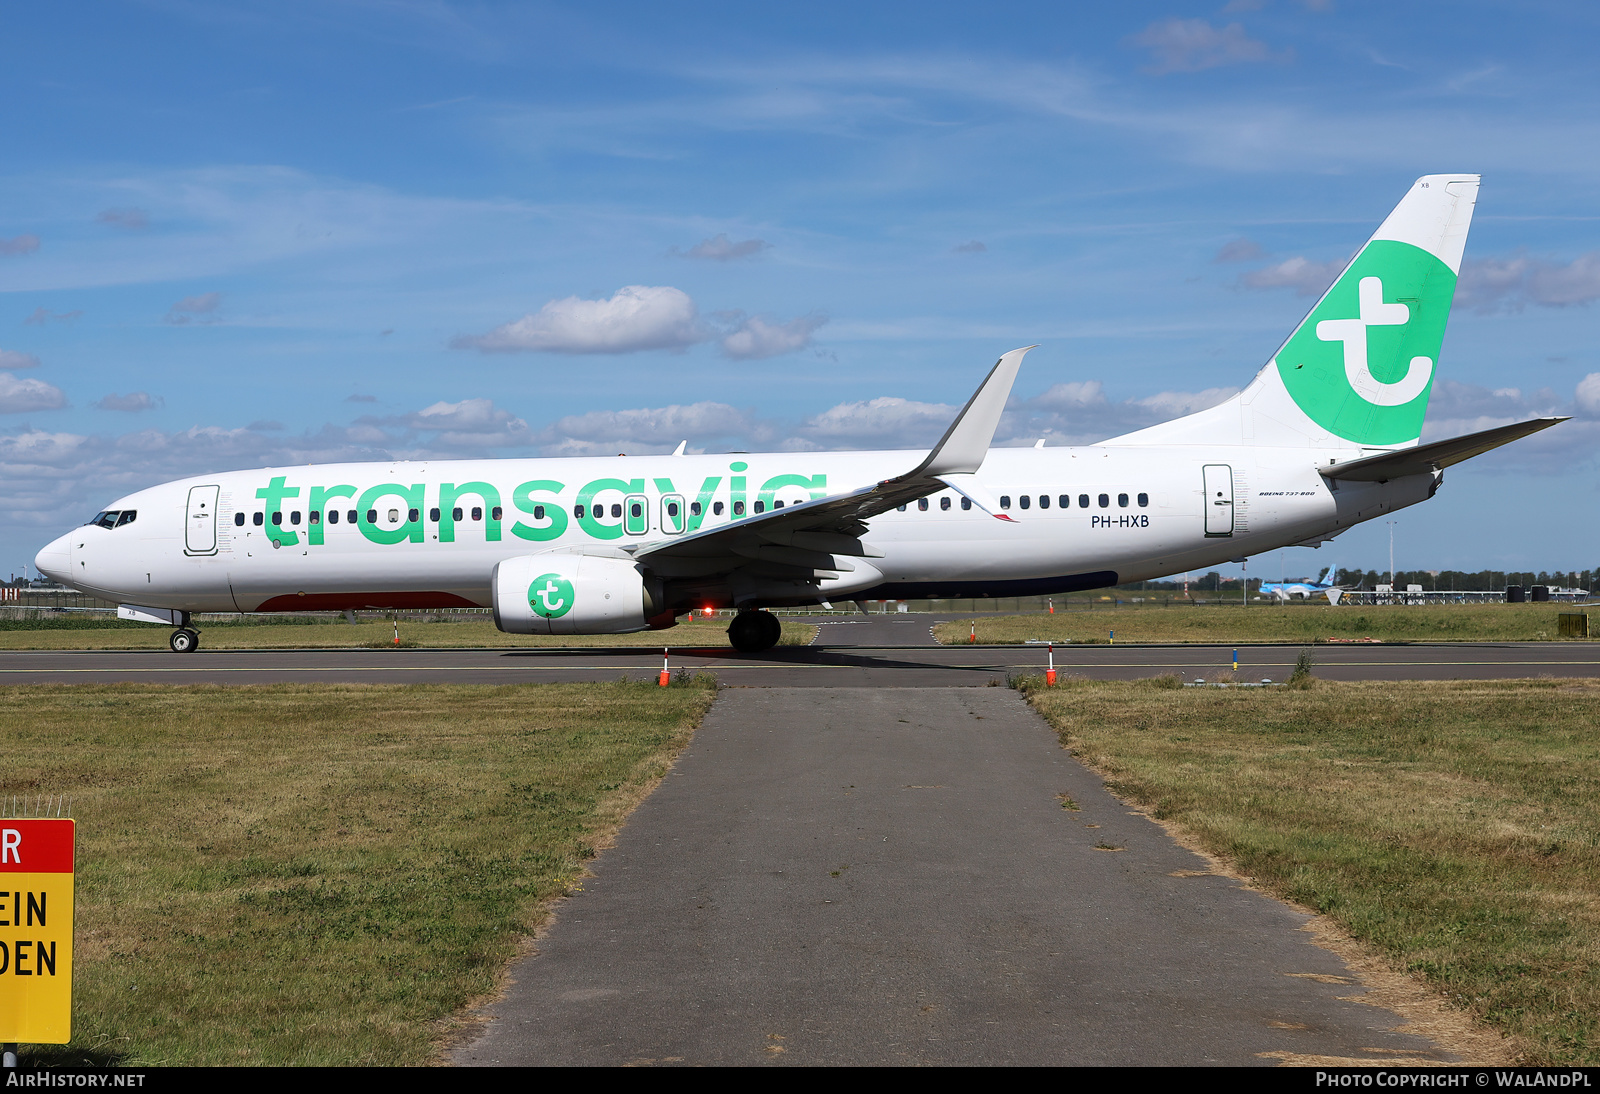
393	513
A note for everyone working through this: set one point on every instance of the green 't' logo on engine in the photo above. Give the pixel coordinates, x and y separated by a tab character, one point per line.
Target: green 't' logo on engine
1362	363
550	596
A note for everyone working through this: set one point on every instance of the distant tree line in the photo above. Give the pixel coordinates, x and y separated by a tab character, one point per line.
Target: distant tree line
1442	580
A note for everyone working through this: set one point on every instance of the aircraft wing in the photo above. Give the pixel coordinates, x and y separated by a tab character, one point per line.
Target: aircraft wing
806	537
1428	458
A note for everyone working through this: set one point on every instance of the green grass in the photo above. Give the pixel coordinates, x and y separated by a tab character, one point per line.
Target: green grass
1294	623
321	875
320	634
1455	827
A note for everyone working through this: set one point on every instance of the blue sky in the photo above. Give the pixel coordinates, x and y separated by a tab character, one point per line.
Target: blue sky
234	235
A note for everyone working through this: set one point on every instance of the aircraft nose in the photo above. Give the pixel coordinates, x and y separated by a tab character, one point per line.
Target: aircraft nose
55	560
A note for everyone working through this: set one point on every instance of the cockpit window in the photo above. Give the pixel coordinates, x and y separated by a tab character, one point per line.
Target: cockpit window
115	518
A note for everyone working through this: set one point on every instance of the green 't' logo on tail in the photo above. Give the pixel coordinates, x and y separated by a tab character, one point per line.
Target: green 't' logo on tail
1362	363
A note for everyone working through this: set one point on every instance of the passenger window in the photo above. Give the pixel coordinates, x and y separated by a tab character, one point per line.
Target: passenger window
256	520
1065	501
538	512
1005	501
738	508
494	513
694	509
577	511
412	515
1105	501
716	508
616	510
477	513
294	517
672	508
313	517
900	508
1144	500
1044	501
777	505
922	505
635	511
1083	501
333	516
944	503
277	519
394	516
1024	501
966	503
238	520
433	515
1122	501
372	516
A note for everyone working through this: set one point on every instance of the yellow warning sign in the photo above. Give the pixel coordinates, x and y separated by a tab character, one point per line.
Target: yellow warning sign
36	931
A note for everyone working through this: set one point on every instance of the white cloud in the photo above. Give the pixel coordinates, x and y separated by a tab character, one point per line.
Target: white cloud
1071	395
638	317
1305	277
1191	45
1240	250
132	402
19	245
471	424
1079	413
1587	395
889	422
719	248
1165	405
651	429
18	396
40	316
1509	284
12	358
202	306
131	218
756	338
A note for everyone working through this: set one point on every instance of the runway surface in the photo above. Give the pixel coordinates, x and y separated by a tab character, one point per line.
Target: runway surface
883	876
870	651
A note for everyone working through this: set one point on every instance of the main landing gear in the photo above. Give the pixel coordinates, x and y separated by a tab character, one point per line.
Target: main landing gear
184	640
754	631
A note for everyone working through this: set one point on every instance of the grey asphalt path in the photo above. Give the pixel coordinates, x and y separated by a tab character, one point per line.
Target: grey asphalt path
833	665
887	876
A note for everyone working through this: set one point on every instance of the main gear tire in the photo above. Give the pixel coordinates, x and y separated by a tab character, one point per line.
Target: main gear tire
754	631
184	640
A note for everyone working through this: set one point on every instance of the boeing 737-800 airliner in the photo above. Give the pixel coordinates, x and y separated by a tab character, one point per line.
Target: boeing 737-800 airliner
1326	436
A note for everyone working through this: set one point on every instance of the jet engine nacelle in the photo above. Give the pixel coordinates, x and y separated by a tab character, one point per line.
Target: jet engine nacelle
572	594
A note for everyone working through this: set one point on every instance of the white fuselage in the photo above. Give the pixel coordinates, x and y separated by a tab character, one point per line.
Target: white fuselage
210	543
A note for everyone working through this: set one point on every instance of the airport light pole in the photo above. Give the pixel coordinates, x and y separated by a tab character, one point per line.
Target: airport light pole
1391	525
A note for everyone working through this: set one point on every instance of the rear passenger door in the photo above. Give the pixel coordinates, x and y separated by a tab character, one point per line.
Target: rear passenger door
1218	499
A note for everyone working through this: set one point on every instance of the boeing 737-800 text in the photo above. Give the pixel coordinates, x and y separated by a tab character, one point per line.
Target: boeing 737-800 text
1325	437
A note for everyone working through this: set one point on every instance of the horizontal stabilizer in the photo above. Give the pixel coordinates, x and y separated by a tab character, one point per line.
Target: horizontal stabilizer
1428	458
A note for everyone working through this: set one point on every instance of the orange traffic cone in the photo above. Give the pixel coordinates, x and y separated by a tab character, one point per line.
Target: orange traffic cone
666	675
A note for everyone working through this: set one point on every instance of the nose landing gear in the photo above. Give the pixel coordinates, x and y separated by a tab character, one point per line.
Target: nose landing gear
754	631
184	640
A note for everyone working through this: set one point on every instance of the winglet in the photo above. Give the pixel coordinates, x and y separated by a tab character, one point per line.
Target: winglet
964	445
